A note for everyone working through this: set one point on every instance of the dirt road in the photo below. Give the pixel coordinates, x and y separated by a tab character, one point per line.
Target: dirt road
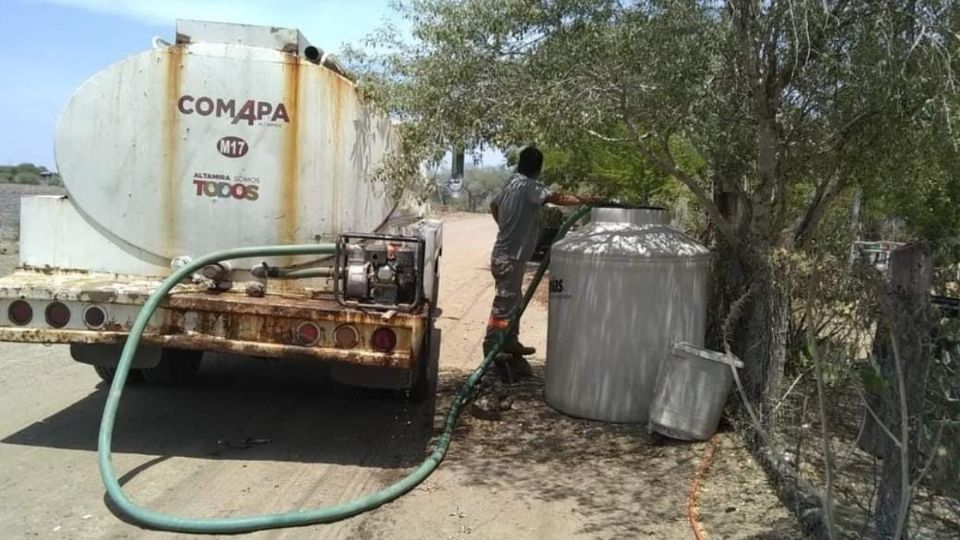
256	436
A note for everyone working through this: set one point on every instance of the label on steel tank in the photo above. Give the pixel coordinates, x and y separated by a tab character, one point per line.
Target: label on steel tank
232	147
220	186
558	289
250	111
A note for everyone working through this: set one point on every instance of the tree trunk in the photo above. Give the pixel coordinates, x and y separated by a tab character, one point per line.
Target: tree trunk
471	204
902	353
855	209
761	338
750	312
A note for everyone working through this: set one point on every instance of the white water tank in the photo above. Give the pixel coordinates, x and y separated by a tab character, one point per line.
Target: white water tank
233	136
623	289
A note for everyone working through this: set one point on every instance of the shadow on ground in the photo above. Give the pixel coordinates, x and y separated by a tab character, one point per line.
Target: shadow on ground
623	482
249	409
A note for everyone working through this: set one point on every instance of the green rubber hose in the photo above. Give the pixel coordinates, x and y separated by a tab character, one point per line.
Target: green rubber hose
156	520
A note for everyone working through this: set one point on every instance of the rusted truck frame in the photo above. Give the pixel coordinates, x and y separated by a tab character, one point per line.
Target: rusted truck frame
102	308
194	318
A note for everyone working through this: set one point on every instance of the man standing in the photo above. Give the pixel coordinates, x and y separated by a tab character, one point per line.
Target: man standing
516	211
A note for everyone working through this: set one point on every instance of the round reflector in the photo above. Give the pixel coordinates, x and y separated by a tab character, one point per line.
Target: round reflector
94	317
346	337
20	312
308	334
58	315
384	340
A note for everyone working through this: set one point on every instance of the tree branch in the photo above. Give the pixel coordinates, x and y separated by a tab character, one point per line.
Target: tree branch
740	12
814	45
756	51
905	488
803	497
824	436
668	166
604	138
933	455
801	231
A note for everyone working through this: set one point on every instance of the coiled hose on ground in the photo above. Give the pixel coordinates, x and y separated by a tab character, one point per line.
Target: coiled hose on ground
156	520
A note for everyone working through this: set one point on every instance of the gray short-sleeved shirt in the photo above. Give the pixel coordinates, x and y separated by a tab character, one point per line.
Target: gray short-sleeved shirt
518	207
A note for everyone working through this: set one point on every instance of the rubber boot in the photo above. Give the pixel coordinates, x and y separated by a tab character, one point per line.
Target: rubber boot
519	367
515	348
502	363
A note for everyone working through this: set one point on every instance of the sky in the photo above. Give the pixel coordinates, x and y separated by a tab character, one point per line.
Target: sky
50	47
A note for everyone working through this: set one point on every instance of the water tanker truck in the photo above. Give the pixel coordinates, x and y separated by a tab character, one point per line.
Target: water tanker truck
232	136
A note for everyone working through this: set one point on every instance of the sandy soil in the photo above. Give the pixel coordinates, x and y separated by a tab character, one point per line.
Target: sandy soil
256	436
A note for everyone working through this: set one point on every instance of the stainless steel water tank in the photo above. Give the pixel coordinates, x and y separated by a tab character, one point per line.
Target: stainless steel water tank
623	289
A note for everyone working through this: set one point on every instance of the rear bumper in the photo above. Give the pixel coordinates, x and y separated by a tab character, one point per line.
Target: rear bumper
193	318
193	341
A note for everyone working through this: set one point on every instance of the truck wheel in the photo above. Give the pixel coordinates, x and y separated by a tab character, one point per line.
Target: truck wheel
425	384
107	373
428	368
176	367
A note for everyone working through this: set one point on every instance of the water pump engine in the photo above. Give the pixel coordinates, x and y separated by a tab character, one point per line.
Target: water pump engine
383	272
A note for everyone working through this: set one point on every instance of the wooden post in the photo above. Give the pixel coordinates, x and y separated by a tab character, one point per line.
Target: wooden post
905	324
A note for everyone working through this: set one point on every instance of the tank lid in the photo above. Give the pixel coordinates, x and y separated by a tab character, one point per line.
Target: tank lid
630	241
637	215
288	40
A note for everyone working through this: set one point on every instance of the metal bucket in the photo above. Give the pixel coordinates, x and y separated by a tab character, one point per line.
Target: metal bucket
691	391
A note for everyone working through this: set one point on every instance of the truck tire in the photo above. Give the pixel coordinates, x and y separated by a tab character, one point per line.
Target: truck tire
176	367
425	382
107	373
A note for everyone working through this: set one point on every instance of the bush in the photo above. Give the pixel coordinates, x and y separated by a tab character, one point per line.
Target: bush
28	174
30	168
54	180
27	178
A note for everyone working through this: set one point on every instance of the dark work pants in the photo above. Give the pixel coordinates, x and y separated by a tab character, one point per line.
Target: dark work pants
508	278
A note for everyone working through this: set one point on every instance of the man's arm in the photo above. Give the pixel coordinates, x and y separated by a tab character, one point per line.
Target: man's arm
494	209
566	199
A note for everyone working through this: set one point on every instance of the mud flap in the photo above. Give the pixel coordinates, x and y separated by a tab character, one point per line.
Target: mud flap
378	378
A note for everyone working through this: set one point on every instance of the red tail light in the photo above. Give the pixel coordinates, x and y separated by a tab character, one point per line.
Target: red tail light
346	337
308	334
94	317
57	315
20	313
384	340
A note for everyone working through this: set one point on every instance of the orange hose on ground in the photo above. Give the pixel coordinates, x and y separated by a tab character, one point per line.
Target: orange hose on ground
694	494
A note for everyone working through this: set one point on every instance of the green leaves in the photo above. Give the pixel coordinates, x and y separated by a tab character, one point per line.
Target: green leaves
871	379
793	103
28	174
